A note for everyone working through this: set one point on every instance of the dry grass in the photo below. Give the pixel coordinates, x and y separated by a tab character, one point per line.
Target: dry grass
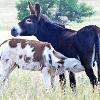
26	85
8	14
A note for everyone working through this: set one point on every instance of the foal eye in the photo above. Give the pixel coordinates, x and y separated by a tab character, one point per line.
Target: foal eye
28	21
58	66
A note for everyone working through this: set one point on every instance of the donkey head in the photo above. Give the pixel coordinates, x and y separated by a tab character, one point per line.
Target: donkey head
35	23
28	26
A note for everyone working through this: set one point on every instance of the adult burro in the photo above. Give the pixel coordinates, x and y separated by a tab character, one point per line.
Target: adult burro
35	56
83	44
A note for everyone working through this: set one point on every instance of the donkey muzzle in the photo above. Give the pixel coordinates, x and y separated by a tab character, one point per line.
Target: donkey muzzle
15	31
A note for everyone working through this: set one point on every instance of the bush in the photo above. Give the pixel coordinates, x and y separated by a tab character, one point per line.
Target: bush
56	9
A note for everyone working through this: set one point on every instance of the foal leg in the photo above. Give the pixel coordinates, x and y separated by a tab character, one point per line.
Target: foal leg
72	81
52	82
62	81
4	74
46	78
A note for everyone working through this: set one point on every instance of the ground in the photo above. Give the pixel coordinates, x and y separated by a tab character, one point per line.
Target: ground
26	85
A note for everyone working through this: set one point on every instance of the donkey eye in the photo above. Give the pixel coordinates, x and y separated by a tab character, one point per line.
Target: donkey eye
28	21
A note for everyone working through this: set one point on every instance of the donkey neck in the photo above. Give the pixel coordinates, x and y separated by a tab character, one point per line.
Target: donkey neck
48	31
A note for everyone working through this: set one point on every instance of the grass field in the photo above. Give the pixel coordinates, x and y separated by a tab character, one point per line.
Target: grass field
26	85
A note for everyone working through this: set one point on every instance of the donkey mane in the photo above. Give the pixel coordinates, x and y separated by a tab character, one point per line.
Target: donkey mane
50	30
53	23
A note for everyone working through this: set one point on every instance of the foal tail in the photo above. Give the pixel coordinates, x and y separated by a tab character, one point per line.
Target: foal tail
97	49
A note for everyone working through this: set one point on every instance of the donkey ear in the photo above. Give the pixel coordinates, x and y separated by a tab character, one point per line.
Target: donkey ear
31	9
37	9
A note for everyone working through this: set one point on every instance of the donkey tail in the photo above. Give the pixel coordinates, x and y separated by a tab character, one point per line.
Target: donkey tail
97	49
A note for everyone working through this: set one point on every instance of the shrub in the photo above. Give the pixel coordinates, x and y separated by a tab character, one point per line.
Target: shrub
55	9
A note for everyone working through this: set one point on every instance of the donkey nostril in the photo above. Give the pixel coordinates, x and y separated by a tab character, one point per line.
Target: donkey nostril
14	32
13	29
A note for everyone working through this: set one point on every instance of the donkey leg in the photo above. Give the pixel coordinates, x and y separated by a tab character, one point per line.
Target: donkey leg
90	74
62	81
98	64
72	81
87	63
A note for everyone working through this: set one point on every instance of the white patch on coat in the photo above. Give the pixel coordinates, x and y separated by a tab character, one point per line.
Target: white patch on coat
93	56
48	51
54	69
46	77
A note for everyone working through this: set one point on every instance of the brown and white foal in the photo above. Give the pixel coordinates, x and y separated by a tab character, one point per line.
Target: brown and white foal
35	56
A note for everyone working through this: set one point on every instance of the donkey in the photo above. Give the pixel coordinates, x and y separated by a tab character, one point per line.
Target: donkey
35	56
74	44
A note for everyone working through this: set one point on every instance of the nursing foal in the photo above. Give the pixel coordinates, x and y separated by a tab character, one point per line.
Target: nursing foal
35	56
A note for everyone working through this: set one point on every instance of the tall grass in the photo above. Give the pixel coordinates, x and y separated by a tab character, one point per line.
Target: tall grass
26	85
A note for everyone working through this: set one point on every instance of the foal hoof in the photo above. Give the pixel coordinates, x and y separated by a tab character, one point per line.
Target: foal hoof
95	84
98	85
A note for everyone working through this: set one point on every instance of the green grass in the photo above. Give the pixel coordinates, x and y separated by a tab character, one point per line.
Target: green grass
26	85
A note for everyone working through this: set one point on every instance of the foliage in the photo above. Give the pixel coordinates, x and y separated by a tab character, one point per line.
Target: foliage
56	9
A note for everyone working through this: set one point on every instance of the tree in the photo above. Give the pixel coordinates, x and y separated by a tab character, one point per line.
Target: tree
56	9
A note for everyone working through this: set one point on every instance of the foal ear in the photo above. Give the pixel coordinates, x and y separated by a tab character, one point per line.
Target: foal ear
37	9
31	9
60	62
